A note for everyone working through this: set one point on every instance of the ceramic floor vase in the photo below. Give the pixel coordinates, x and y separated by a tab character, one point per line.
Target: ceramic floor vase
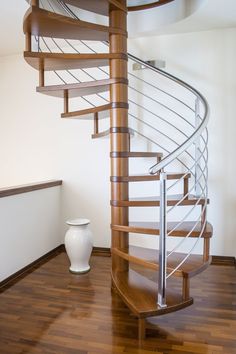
78	244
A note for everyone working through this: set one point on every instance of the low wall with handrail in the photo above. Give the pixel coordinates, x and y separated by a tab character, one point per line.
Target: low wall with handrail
29	224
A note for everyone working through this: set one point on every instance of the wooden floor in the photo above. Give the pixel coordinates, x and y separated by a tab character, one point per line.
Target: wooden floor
53	311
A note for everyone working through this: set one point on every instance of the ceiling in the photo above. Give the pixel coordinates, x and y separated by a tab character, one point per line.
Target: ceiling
210	15
183	16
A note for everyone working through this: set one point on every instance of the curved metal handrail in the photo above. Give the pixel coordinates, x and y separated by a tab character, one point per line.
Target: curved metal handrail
174	154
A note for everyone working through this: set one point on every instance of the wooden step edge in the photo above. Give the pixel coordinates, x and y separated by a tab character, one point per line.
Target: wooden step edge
83	112
198	268
130	283
39	21
80	85
142	262
147	177
113	130
79	89
101	134
201	268
94	110
75	56
136	202
150	229
120	154
61	61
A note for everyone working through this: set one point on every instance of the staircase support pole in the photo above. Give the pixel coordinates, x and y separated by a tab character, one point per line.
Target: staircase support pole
96	123
197	151
162	242
119	140
28	42
35	3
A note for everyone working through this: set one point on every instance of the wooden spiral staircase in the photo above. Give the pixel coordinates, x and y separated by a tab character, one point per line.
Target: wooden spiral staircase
139	274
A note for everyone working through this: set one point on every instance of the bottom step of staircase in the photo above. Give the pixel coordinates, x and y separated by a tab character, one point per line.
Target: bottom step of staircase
140	295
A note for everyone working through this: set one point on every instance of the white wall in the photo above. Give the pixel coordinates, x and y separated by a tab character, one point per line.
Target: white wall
29	228
207	61
36	144
145	23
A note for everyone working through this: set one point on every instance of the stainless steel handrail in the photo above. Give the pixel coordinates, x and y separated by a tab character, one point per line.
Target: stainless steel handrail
173	155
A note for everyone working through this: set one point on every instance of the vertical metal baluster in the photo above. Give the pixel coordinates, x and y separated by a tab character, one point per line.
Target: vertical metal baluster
197	151
162	245
38	44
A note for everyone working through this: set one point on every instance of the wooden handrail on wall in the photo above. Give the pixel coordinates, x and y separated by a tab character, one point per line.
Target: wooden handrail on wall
25	188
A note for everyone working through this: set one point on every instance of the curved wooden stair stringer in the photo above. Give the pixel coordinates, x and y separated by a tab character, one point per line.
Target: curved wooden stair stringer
134	269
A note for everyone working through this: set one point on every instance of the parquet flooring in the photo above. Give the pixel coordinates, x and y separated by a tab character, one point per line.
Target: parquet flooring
51	311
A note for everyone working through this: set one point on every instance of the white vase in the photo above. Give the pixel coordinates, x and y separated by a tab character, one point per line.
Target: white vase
78	244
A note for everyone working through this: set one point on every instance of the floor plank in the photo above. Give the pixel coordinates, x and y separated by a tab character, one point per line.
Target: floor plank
52	311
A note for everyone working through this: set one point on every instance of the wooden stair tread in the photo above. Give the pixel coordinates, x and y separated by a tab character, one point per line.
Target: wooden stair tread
109	131
136	154
140	295
148	258
44	23
88	113
147	177
101	7
78	89
102	111
155	201
153	228
103	134
66	61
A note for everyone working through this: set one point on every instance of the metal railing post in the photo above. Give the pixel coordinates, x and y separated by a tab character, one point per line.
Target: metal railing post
162	243
197	150
38	49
